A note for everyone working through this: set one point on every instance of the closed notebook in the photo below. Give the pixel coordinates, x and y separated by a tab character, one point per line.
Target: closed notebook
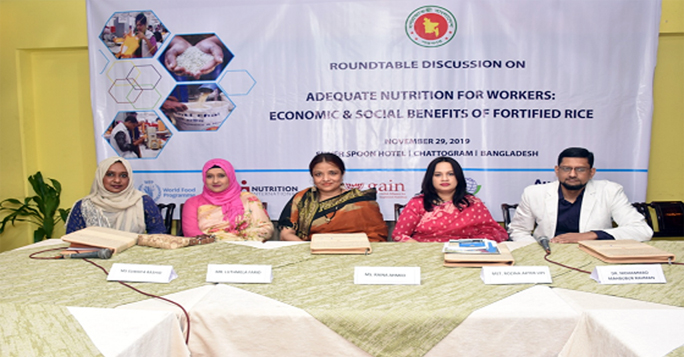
99	237
479	260
625	251
340	243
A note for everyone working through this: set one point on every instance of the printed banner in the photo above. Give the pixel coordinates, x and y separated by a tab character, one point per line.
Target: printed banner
502	86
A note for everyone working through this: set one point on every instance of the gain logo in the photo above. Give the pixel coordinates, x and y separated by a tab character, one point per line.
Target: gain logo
430	26
472	186
151	189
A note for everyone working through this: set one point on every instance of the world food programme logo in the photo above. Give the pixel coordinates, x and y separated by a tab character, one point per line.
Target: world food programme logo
151	189
431	26
472	186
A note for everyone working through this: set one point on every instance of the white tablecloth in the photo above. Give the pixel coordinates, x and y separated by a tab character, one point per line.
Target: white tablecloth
132	333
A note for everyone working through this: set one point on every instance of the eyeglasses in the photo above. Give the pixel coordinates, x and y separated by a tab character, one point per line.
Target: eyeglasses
579	170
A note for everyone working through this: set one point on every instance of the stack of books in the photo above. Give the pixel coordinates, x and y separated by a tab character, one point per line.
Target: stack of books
476	253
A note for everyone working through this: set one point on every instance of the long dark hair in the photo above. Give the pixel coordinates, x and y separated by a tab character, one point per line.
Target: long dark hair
430	196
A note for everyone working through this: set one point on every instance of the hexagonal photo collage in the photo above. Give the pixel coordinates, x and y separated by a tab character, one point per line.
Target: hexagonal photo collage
196	63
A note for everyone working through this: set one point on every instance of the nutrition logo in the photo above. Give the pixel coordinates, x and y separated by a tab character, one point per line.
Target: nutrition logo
430	26
269	190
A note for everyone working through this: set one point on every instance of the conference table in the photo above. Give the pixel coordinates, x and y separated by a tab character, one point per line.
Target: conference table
312	307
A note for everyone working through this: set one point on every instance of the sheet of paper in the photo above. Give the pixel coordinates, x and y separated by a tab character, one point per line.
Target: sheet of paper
239	273
387	275
142	273
629	274
498	275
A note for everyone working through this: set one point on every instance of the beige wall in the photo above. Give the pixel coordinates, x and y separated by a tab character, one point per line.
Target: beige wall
46	119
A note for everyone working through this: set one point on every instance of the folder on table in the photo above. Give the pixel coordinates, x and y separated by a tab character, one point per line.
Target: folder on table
479	260
340	243
98	238
625	251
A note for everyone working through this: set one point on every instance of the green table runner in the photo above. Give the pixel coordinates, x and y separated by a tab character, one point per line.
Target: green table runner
671	293
384	320
78	283
677	353
42	330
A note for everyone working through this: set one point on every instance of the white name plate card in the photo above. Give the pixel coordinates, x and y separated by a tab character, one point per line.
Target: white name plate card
629	274
142	273
498	275
239	273
387	275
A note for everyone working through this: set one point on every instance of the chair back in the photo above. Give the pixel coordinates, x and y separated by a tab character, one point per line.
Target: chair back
670	218
645	210
166	211
179	228
397	211
506	210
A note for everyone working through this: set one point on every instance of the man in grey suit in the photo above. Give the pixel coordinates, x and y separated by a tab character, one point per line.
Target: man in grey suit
576	207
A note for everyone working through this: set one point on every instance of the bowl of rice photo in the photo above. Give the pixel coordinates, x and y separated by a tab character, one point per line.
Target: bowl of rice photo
201	116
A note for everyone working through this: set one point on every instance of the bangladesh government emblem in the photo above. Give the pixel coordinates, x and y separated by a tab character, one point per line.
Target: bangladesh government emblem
431	26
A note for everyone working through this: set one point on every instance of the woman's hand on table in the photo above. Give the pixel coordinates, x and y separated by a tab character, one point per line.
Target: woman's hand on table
289	234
